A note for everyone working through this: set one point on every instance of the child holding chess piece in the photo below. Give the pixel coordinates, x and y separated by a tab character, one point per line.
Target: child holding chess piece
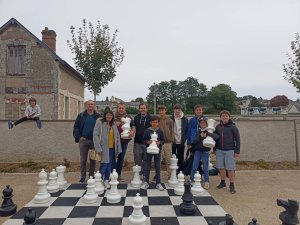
32	112
227	149
154	121
106	139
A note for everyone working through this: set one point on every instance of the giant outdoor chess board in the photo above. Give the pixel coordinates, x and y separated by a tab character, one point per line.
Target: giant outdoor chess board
160	207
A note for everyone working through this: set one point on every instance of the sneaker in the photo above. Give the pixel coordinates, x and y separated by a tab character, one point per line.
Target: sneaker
232	189
206	185
145	186
221	185
39	124
82	180
106	184
160	187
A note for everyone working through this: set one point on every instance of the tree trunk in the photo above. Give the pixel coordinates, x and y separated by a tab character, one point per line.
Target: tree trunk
94	99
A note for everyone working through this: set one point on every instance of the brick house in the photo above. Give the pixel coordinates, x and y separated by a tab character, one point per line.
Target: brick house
31	67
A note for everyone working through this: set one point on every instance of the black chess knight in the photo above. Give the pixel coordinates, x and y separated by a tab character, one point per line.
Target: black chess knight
8	207
289	216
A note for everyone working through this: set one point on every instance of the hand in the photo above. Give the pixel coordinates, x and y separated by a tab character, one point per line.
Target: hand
158	143
236	155
118	123
203	134
82	139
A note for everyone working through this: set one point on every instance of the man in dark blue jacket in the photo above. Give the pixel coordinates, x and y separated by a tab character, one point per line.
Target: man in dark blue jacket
83	134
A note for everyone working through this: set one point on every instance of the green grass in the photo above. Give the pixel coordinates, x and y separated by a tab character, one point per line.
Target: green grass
262	164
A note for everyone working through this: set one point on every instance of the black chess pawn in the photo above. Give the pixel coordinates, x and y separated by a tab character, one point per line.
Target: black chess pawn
8	207
187	207
30	217
289	216
253	222
228	220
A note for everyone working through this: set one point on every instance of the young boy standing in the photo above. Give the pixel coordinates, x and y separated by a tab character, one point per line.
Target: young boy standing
147	141
228	148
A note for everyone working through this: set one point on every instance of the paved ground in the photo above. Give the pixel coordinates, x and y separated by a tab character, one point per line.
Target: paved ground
256	195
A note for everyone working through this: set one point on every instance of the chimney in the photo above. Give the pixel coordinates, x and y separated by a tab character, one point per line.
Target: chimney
49	38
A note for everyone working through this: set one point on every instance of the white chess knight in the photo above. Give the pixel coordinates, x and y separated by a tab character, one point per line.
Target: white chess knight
113	195
125	127
137	217
173	167
152	148
136	181
60	177
42	196
209	141
197	188
53	186
91	196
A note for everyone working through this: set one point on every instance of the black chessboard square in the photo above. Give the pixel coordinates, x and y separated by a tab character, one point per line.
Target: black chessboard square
178	213
84	211
66	201
205	200
129	209
57	194
132	193
159	200
20	214
171	192
152	185
105	203
122	186
107	221
55	221
164	221
77	187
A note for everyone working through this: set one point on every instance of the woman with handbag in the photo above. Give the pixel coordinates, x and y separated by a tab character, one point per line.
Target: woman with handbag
107	141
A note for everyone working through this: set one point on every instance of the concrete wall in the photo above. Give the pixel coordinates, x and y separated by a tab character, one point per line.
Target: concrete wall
260	139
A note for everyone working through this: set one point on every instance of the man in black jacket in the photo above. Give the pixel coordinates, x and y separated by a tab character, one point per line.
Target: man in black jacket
83	134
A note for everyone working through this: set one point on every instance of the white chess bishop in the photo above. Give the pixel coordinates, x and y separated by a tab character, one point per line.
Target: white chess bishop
173	167
53	186
42	196
91	196
136	181
125	127
209	141
152	148
113	195
137	217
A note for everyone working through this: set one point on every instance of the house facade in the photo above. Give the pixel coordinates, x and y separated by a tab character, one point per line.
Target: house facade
30	67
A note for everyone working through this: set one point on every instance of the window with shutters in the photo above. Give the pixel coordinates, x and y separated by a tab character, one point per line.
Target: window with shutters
16	60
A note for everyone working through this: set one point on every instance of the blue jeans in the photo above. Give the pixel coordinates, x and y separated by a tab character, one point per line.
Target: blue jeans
198	156
121	156
156	164
105	168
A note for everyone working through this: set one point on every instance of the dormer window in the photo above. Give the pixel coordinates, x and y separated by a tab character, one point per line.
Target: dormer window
16	60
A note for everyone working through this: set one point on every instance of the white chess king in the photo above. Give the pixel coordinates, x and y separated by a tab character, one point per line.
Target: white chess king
152	148
209	141
125	127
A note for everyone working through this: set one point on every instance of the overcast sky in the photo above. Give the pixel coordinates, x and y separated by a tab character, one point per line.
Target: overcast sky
240	43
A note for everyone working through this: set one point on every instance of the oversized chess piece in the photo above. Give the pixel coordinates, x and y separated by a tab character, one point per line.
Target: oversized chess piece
42	196
179	189
30	217
61	178
137	217
8	207
53	186
187	207
99	186
152	148
125	127
136	181
173	167
253	222
197	188
228	220
209	141
91	196
289	216
113	195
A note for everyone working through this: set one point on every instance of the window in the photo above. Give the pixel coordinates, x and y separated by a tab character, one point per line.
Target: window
78	107
67	107
16	60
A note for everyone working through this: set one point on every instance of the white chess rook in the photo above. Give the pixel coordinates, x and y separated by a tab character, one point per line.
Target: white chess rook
136	181
137	217
61	178
91	196
173	168
152	148
209	141
197	188
53	186
113	195
99	187
125	127
42	196
179	189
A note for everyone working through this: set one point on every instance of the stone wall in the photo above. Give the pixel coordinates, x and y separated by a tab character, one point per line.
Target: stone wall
270	140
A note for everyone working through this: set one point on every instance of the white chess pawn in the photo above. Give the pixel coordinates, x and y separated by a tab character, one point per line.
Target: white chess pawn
173	167
42	196
61	178
197	188
53	186
136	181
113	195
137	217
99	187
179	189
91	196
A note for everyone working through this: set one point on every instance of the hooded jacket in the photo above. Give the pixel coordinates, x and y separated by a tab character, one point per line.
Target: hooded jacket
141	123
160	136
193	128
184	128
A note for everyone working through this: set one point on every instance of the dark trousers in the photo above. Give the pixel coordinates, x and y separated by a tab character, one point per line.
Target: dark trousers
36	119
156	164
178	149
121	157
84	147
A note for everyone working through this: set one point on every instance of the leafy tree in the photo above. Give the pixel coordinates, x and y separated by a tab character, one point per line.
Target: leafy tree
97	54
255	102
279	100
139	99
132	110
292	68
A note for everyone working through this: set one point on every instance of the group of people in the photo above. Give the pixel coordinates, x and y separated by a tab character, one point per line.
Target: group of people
175	133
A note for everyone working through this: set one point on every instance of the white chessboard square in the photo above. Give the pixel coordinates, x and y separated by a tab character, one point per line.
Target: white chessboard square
14	222
33	204
129	187
110	211
211	210
192	220
176	200
82	203
157	211
203	193
57	212
129	201
121	191
79	221
72	193
156	193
